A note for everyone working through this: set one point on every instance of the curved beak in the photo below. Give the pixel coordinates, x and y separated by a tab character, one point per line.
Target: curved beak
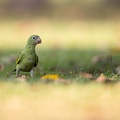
38	41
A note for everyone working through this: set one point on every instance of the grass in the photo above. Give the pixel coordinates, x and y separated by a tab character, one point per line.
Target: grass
66	63
68	48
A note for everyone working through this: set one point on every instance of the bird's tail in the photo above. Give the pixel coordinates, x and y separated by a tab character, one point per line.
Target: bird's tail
14	70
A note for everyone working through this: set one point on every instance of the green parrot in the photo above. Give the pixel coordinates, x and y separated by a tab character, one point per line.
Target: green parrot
28	60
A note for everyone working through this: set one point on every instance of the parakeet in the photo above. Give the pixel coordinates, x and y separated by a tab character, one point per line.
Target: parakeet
28	60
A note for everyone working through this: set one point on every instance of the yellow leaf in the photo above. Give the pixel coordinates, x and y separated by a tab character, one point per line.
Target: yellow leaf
50	76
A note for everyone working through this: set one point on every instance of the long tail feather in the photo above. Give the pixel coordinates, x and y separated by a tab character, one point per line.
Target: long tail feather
14	70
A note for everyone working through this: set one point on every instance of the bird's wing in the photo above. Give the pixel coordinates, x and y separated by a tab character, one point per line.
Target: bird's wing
36	61
19	58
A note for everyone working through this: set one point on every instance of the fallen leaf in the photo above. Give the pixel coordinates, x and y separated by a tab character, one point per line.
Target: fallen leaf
86	75
50	77
102	78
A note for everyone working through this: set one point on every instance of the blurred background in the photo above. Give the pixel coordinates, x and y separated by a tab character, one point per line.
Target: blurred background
81	24
78	37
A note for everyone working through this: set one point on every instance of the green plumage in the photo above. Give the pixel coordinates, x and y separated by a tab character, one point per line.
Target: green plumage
28	59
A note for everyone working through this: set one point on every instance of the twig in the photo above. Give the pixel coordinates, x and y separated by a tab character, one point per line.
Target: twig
111	64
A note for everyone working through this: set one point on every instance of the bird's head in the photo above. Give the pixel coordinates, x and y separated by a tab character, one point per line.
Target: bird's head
34	40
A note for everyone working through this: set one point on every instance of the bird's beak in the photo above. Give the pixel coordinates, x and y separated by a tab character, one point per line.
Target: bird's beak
38	41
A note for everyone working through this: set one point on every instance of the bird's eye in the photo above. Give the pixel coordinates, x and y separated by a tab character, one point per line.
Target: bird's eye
33	37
